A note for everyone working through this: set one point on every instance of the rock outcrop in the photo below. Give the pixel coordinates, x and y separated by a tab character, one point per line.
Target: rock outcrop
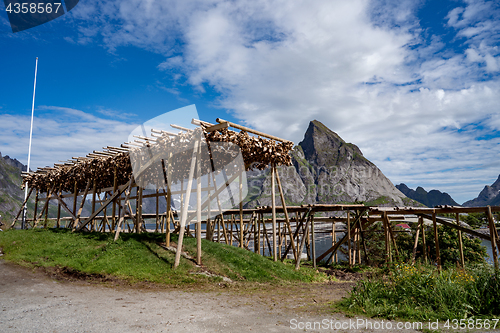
326	169
490	195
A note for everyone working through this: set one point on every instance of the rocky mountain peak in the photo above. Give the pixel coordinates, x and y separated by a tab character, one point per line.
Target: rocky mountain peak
490	195
324	147
13	162
326	169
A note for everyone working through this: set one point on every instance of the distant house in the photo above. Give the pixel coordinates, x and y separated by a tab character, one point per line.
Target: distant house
404	226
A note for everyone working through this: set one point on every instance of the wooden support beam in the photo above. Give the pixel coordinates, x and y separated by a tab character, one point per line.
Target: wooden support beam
415	244
273	203
297	230
198	205
104	205
494	245
115	188
455	226
77	220
122	209
461	247
58	223
287	220
45	206
386	235
94	193
184	211
313	254
360	227
240	183
250	130
217	127
349	237
436	239
424	243
22	207
334	248
301	247
139	210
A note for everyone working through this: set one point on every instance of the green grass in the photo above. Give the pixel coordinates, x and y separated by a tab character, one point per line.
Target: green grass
138	257
424	293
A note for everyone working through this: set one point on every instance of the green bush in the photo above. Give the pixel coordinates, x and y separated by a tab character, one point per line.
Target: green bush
423	293
474	251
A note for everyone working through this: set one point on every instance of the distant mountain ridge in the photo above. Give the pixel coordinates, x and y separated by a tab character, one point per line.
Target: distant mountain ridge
490	195
328	170
11	194
13	162
430	199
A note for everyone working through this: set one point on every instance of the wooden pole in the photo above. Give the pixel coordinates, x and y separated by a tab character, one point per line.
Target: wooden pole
198	206
75	223
415	244
287	219
47	201
361	232
209	235
334	239
36	206
296	233
424	243
105	215
349	237
313	242
241	207
169	197
184	210
221	222
113	210
436	239
139	210
231	233
75	197
45	207
358	243
157	210
301	247
94	189
255	246
273	203
391	235
22	207
492	236
258	233
58	224
122	209
386	234
462	258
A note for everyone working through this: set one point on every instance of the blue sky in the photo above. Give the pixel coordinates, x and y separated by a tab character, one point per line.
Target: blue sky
415	84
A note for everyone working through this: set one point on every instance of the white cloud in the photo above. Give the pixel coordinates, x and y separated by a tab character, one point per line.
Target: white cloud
59	133
116	114
357	66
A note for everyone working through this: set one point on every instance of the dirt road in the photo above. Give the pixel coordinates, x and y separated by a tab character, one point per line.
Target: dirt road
30	301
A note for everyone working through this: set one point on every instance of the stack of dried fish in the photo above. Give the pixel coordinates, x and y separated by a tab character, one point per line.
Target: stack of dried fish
167	154
257	152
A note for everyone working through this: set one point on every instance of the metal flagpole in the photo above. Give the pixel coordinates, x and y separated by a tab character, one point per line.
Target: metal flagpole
29	149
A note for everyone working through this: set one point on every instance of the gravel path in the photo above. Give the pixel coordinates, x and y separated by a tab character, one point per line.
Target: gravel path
32	302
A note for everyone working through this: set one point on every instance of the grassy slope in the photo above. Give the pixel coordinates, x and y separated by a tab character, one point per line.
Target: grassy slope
138	257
